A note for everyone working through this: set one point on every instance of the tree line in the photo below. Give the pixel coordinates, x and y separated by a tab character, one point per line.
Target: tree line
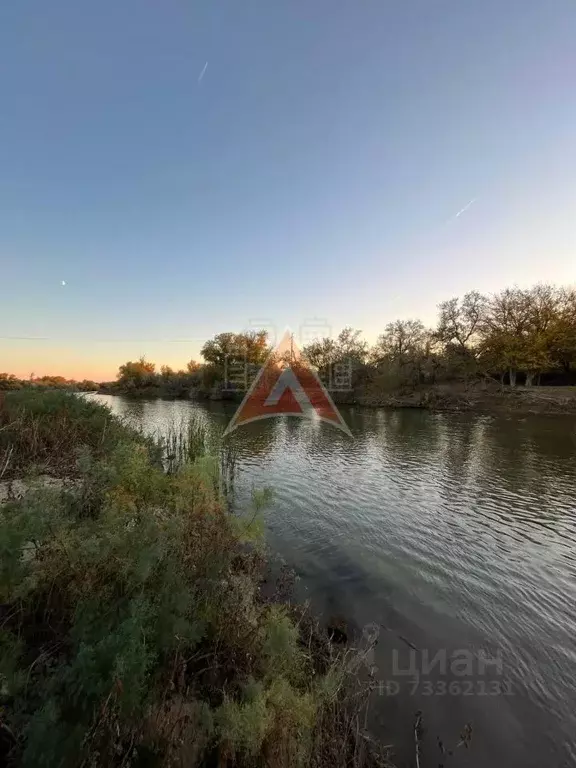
141	375
516	336
9	382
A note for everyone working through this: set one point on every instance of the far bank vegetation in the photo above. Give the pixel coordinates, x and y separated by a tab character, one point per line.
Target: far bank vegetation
517	337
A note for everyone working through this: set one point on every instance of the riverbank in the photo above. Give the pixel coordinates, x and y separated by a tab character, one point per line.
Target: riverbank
479	397
134	626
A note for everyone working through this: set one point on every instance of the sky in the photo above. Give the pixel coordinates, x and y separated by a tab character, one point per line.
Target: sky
170	170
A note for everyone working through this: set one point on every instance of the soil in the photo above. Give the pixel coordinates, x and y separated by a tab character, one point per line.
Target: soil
486	399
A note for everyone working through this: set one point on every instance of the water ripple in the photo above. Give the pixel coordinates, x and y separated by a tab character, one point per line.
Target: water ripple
454	531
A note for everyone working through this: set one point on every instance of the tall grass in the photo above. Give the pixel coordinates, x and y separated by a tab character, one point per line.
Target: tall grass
45	430
190	439
184	442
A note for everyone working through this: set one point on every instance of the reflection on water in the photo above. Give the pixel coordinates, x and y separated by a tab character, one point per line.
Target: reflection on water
451	532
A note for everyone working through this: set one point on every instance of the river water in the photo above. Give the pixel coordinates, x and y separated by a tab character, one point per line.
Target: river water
450	536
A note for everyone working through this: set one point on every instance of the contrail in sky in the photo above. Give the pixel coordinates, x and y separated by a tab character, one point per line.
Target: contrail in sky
466	207
203	72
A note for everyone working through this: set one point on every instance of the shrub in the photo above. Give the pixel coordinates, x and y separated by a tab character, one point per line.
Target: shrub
131	627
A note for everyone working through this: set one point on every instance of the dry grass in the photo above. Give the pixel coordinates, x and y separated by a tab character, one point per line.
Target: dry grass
43	431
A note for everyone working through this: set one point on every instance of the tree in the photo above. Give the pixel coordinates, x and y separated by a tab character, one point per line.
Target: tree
137	374
191	367
402	342
506	325
54	382
87	386
255	346
9	381
251	347
404	351
351	352
542	307
523	332
460	321
562	330
459	329
350	346
321	353
216	350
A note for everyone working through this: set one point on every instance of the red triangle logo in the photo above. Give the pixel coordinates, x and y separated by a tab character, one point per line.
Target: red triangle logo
286	384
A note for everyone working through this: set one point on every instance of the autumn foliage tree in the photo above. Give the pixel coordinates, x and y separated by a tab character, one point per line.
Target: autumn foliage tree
525	331
133	375
192	366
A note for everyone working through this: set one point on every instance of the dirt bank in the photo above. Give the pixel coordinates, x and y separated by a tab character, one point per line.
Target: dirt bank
525	400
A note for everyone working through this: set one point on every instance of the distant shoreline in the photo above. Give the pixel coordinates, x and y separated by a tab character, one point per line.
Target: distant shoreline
520	400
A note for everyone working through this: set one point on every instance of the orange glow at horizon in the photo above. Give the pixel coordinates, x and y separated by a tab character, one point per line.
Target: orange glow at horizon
91	362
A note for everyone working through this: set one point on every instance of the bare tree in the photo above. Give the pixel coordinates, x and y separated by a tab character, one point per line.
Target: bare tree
460	322
401	342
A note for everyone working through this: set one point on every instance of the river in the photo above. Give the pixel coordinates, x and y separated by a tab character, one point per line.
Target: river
453	537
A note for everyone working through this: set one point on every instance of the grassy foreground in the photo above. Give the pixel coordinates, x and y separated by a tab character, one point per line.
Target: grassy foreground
132	627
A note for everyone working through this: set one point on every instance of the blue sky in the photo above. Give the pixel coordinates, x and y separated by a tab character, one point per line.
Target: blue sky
315	170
